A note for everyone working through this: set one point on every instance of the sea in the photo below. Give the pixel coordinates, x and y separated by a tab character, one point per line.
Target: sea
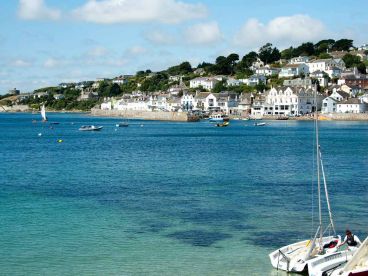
169	198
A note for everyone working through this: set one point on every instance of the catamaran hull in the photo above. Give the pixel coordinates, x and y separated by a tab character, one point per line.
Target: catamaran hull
357	265
326	264
294	257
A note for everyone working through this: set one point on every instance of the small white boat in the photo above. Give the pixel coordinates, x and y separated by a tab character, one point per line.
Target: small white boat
90	128
259	124
43	113
218	118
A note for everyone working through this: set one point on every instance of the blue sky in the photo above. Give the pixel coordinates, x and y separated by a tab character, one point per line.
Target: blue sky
45	42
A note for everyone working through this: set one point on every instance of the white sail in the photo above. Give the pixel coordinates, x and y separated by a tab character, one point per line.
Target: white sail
43	113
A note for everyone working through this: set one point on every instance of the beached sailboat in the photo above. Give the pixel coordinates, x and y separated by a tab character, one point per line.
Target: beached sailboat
43	113
294	257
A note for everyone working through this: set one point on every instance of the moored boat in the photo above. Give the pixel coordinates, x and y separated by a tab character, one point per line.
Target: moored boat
224	124
90	128
122	124
218	118
259	124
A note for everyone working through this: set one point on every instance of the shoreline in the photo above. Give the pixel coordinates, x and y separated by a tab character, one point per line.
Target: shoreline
182	116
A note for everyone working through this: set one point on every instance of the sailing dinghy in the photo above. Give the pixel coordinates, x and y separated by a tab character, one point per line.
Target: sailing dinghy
43	113
294	257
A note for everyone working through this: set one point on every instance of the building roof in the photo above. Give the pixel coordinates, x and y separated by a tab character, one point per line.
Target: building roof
351	101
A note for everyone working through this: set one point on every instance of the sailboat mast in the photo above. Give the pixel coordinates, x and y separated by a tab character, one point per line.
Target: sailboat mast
326	192
318	163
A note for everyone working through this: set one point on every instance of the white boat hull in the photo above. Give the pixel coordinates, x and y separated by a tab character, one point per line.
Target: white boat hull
357	265
294	257
324	264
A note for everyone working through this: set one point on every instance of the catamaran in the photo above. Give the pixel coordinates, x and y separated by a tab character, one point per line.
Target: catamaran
294	257
43	113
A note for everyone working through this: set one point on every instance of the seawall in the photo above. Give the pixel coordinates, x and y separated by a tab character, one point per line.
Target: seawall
146	115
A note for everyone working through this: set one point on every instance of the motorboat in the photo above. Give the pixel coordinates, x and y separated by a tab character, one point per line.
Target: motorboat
90	128
218	118
259	124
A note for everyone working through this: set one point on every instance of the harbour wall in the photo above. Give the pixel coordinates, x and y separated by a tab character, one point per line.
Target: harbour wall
146	115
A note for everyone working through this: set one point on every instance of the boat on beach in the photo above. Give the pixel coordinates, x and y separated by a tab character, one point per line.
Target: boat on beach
295	257
90	128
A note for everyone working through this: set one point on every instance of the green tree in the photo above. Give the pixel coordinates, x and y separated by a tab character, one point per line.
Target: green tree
306	49
219	86
351	60
287	53
342	45
268	54
361	68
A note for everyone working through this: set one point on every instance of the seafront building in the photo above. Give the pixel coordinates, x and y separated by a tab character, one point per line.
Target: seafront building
287	101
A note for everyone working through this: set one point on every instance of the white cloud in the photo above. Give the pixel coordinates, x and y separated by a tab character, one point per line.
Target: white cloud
97	51
127	11
20	63
205	33
135	50
159	37
37	10
52	63
284	31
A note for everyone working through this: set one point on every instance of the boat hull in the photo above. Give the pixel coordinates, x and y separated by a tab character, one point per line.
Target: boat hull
294	257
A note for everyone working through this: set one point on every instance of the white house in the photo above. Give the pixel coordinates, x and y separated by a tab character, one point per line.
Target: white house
120	80
289	101
207	83
257	64
267	71
255	80
245	104
353	105
131	104
299	60
187	101
233	82
106	105
321	77
339	95
298	82
206	101
292	70
227	102
325	65
329	105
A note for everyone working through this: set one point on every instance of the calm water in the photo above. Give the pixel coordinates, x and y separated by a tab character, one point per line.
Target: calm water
163	198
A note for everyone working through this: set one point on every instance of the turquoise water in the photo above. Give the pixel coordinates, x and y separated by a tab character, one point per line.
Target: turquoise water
164	198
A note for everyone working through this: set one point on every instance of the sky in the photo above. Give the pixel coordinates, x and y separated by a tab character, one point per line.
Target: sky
46	42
